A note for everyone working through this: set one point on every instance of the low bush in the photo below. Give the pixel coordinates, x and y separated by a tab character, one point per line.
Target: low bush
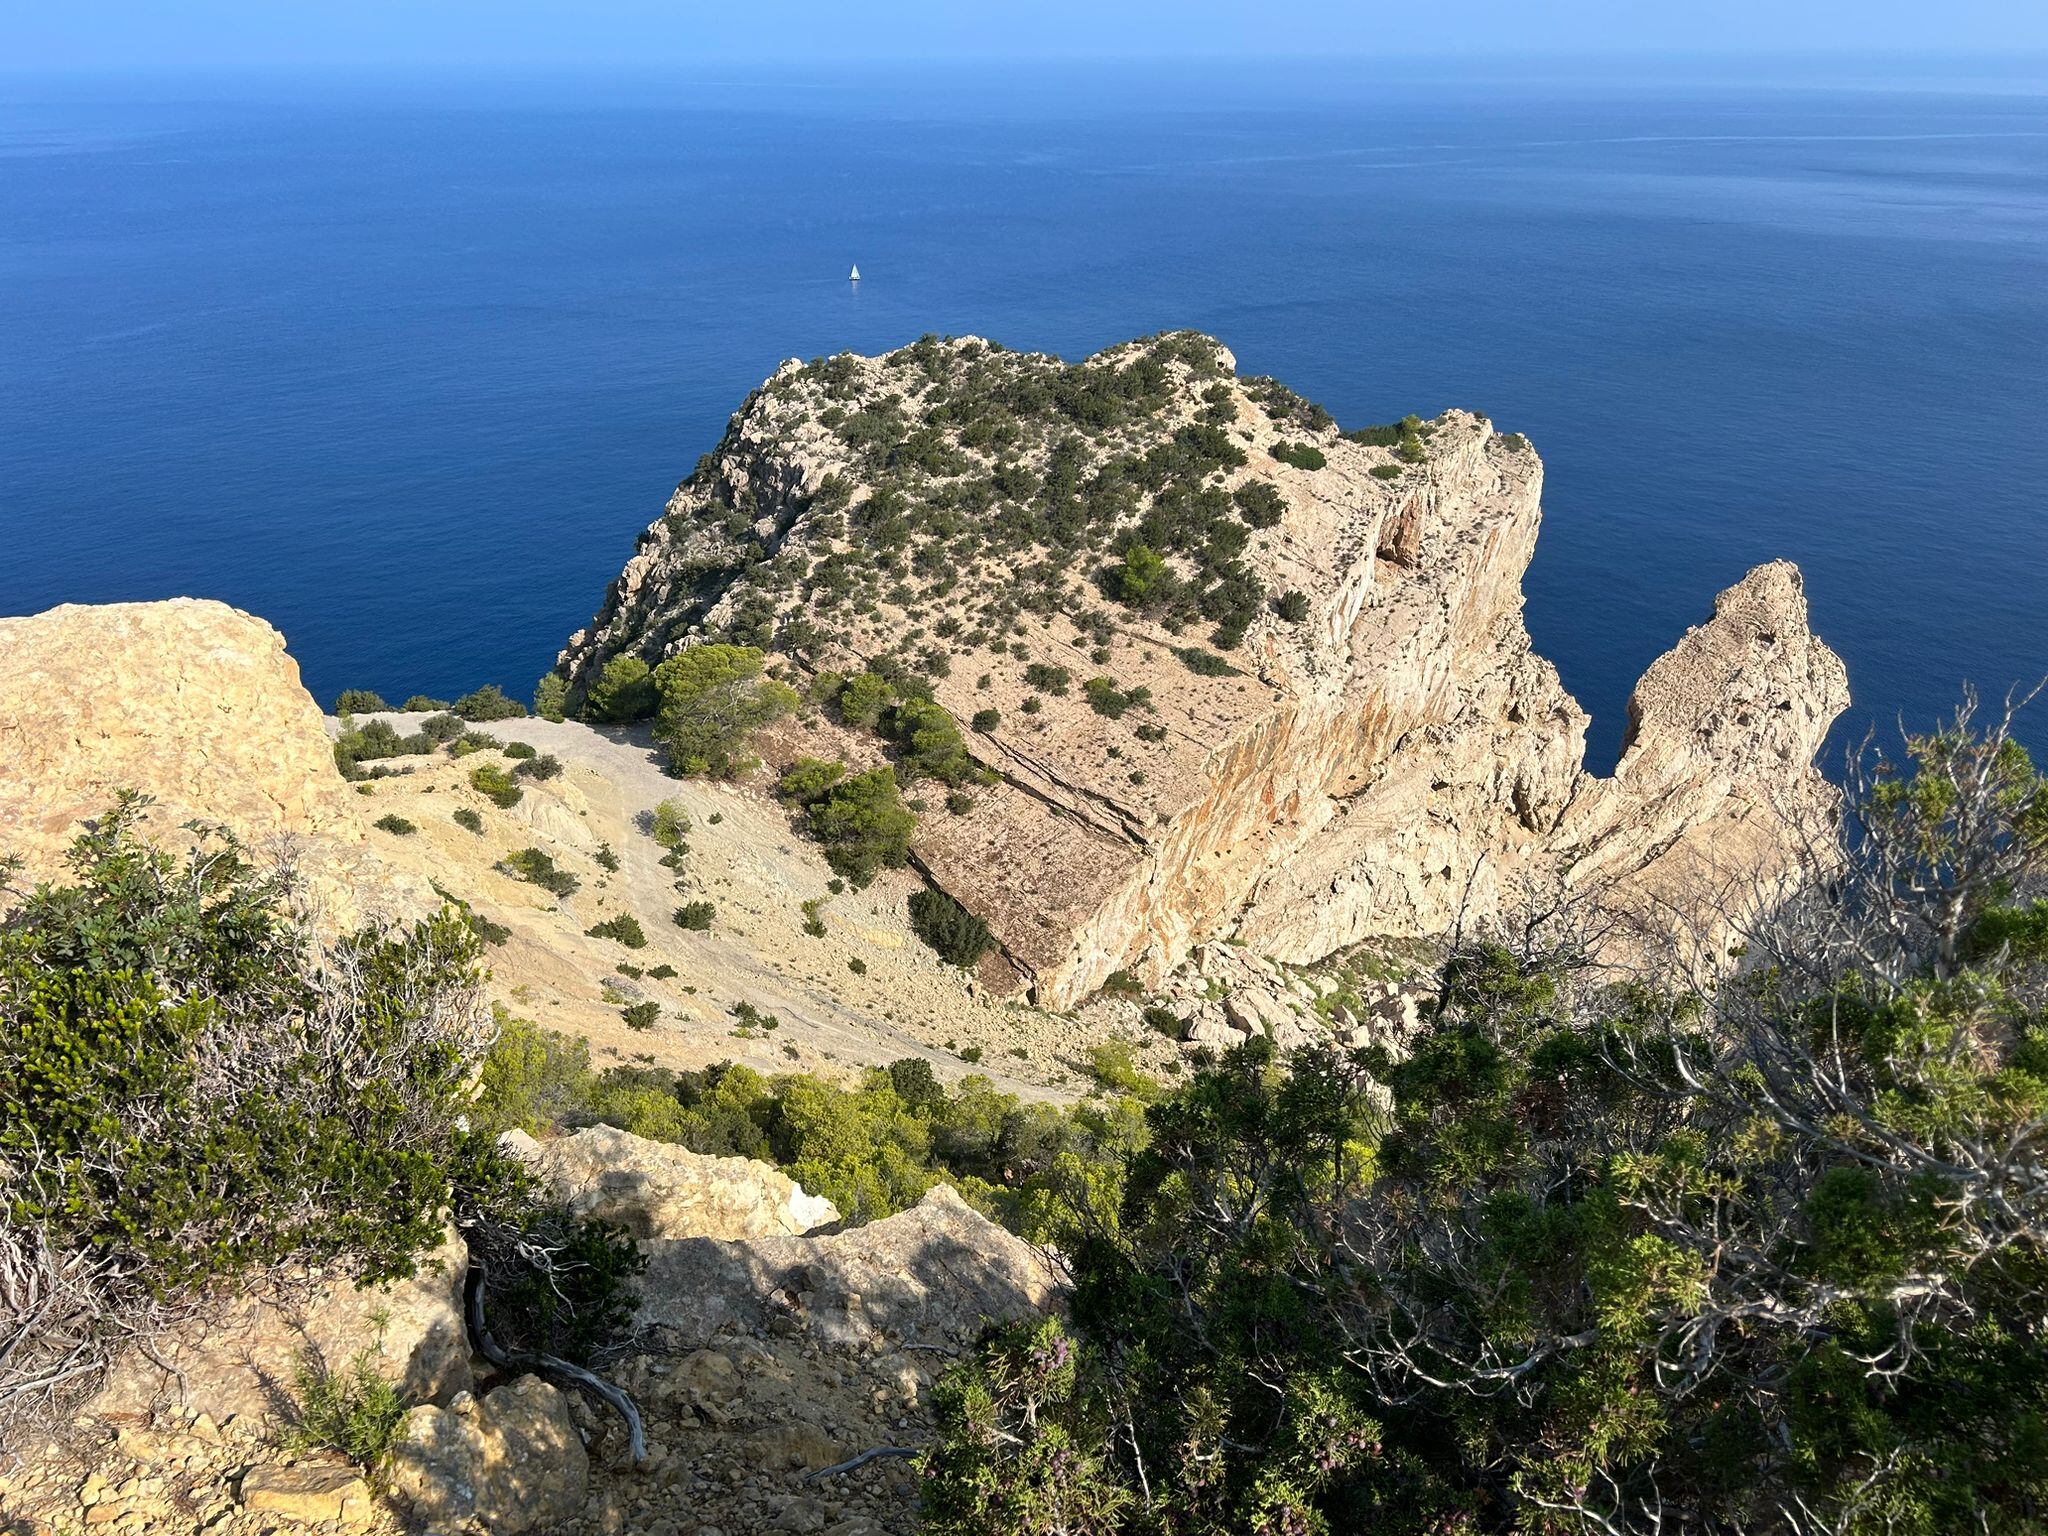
624	927
359	701
520	751
1106	698
1386	471
495	785
468	820
353	1410
537	868
641	1015
1048	679
1259	503
606	859
669	825
1204	663
1300	455
695	916
540	769
1292	606
395	824
420	704
986	720
488	703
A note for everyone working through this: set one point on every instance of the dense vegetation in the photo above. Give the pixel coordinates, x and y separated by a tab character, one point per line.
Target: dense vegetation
1595	1257
872	1149
193	1091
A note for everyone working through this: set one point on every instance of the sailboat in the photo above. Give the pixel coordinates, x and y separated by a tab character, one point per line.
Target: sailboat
854	276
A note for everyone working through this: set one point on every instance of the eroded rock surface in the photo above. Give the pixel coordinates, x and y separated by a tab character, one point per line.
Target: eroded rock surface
1376	756
512	1461
655	1189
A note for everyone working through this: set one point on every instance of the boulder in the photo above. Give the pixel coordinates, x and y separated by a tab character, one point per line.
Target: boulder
654	1189
512	1462
929	1276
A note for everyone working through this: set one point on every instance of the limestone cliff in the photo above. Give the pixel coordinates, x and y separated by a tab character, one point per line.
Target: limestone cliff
1371	748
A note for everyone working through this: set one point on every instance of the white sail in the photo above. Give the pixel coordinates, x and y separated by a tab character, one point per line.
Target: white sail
855	275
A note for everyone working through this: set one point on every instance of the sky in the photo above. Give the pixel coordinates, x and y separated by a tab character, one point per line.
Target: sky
158	35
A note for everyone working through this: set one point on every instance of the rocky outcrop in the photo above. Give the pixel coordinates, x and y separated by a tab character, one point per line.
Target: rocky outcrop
1375	758
198	706
512	1462
244	1360
655	1189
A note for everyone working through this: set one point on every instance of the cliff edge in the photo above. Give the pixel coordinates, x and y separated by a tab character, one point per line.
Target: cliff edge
1234	673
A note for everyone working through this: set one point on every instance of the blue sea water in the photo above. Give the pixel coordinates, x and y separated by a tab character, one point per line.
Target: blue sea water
404	366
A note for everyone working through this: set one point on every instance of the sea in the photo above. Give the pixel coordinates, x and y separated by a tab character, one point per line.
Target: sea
403	363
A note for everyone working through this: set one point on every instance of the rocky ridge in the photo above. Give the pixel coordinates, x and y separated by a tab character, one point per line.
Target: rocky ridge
1374	758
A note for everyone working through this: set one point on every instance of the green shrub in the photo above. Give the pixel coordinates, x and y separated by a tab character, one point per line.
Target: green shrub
1386	471
488	703
442	729
624	691
395	824
858	966
1106	698
537	868
359	701
1048	679
1163	1019
1300	455
551	697
956	935
149	1174
1292	606
1204	663
809	779
641	1015
354	1410
713	698
540	769
532	1079
474	741
814	920
468	820
624	927
862	698
863	824
607	860
695	916
1114	1066
420	704
520	751
1144	580
670	825
495	785
986	720
1260	504
930	742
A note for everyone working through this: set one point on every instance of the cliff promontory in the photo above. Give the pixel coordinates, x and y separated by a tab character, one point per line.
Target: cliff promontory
1228	671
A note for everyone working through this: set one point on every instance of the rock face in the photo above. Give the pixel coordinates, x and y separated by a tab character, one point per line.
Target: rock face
201	704
513	1462
197	705
653	1189
1375	756
244	1361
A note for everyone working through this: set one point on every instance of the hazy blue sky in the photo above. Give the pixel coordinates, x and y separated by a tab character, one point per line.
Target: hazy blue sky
123	34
